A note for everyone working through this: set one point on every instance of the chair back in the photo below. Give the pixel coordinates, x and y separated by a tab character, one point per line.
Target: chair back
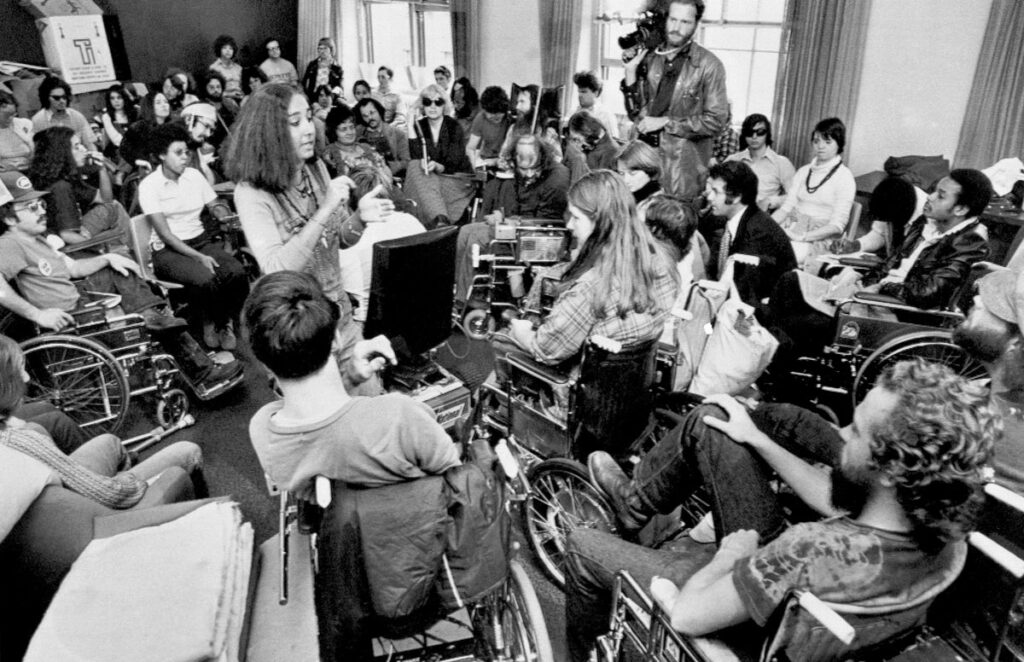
854	223
614	398
139	232
980	612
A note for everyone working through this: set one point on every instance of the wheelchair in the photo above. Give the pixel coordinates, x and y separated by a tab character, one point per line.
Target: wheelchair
506	625
519	248
973	617
864	346
524	420
92	371
92	375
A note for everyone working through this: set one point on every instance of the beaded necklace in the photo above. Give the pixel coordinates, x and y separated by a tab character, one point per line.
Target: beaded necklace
814	189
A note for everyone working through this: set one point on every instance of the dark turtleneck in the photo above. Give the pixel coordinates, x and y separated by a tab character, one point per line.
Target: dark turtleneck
650	188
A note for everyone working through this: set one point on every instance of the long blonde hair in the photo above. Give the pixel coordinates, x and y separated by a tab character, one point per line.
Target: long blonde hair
625	257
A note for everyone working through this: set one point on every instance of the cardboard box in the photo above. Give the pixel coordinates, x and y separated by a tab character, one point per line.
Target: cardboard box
76	48
48	8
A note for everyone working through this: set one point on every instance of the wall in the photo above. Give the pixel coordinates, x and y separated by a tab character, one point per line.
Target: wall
917	75
162	33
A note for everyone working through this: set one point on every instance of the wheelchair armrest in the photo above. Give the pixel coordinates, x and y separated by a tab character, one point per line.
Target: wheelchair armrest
101	239
523	362
894	303
865	262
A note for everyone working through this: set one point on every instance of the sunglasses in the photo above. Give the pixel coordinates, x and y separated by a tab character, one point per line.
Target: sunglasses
58	97
36	206
760	133
434	102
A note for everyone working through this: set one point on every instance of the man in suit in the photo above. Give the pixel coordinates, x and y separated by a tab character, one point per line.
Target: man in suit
731	191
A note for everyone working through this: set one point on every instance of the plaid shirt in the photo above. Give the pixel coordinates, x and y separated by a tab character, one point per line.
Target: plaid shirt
572	319
727	142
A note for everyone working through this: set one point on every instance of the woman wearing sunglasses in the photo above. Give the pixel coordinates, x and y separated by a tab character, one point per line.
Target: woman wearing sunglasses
437	148
774	171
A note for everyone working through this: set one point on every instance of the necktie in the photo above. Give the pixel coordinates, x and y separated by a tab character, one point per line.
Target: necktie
723	251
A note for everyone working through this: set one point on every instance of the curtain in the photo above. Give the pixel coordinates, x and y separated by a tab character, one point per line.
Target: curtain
560	22
819	70
993	128
315	22
466	39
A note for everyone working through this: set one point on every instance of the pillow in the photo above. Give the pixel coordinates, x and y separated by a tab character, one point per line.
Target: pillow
22	478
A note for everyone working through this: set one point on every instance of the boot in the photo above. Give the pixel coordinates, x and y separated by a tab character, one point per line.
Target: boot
609	478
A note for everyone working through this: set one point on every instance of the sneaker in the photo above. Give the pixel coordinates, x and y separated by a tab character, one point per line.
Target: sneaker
227	338
161	319
210	336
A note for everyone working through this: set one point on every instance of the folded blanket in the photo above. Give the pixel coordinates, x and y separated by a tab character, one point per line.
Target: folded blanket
172	592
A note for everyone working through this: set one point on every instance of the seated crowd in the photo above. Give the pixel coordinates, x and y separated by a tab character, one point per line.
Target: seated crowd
319	176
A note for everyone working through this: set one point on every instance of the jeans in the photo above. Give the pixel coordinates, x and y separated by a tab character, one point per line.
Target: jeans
217	296
691	455
135	293
58	426
105	455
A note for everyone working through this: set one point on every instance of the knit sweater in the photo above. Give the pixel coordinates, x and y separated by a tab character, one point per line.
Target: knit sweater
121	491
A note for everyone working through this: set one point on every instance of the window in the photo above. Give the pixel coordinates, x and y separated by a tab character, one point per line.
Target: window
744	34
400	34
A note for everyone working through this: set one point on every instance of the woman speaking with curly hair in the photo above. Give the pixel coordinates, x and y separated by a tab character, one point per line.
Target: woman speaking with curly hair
295	217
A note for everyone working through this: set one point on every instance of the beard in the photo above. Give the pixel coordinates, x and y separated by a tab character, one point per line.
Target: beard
850	489
985	345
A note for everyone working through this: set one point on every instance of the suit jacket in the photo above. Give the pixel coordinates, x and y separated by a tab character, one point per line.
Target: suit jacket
757	234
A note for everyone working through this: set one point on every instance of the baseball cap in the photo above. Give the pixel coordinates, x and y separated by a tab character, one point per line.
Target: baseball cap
203	110
19	187
997	292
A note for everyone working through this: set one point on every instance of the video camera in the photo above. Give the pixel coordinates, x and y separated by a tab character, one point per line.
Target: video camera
649	33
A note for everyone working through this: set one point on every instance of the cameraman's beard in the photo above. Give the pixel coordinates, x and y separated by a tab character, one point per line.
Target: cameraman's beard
850	489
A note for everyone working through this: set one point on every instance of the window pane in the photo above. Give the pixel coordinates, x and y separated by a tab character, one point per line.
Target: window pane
737	74
437	39
740	10
768	39
392	37
712	10
771	11
762	83
733	38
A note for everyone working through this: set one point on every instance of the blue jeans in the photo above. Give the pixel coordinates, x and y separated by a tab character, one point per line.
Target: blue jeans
691	455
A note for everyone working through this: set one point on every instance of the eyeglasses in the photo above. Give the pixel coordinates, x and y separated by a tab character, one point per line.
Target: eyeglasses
36	206
760	133
434	102
58	97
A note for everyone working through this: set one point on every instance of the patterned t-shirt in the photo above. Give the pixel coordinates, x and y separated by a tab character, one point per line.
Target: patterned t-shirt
844	562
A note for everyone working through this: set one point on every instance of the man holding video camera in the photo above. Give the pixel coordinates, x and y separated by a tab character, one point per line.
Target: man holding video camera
675	93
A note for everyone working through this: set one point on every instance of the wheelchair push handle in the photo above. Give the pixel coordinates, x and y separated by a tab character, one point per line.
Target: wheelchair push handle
827	616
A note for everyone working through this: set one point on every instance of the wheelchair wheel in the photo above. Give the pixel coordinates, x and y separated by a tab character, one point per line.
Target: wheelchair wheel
172	407
81	378
478	324
510	624
561	498
935	346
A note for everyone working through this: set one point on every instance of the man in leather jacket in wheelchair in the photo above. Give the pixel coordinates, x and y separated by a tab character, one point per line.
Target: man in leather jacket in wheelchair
927	271
901	496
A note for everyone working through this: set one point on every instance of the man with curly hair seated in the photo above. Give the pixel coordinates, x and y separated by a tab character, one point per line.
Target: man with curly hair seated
903	491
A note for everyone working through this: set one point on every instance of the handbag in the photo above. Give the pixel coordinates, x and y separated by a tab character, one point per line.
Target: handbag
738	350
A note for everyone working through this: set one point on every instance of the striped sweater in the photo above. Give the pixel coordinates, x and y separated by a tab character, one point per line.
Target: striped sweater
121	491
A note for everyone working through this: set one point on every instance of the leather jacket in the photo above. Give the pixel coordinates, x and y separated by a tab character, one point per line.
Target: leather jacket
698	112
940	270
